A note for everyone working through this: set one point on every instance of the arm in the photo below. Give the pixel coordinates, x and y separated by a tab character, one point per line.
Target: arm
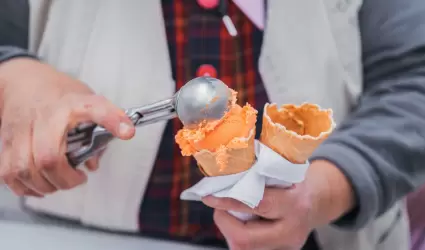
380	148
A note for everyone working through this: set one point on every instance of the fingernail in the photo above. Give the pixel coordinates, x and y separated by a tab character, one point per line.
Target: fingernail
124	128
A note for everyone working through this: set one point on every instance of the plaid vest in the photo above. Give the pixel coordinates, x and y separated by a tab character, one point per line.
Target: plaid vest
197	37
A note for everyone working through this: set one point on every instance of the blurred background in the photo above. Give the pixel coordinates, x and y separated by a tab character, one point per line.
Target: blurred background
48	233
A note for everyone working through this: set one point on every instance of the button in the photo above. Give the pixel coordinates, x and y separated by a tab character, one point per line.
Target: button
208	4
207	70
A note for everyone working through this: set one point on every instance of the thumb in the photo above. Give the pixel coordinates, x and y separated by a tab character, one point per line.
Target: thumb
99	110
126	130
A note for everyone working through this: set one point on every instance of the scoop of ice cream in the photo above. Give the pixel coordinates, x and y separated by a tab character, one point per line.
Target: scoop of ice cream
220	138
225	133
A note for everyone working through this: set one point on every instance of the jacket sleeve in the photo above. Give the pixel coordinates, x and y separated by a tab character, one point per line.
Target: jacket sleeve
381	146
9	52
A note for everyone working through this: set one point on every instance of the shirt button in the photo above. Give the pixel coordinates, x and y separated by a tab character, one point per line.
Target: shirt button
207	70
208	4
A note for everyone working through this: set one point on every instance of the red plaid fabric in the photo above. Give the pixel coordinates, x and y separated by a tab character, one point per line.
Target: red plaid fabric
196	37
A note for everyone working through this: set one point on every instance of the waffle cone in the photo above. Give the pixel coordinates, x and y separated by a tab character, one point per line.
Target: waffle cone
295	131
227	161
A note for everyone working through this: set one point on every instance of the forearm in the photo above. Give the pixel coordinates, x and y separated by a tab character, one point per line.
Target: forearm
380	148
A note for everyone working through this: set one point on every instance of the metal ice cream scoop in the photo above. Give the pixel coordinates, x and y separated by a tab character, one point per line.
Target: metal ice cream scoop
201	99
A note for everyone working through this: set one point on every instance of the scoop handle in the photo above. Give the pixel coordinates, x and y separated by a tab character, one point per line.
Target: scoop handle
89	139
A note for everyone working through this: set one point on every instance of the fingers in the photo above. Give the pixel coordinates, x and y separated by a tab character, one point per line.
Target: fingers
63	177
36	182
232	229
266	234
256	234
49	152
270	207
27	173
17	161
20	189
99	110
92	164
33	155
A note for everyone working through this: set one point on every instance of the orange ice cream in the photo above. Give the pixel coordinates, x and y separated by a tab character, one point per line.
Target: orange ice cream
216	145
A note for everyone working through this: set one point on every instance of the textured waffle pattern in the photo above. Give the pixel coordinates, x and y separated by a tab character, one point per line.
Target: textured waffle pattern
292	145
239	160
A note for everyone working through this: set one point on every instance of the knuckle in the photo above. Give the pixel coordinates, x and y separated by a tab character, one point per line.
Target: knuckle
295	241
66	185
45	188
14	188
100	99
5	170
267	205
93	101
69	185
226	202
241	242
47	161
24	174
304	205
215	217
232	203
19	192
6	141
72	183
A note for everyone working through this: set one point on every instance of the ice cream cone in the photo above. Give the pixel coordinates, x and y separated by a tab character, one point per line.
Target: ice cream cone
222	147
295	131
226	161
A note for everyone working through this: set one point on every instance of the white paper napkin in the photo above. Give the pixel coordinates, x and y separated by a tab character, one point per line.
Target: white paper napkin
270	169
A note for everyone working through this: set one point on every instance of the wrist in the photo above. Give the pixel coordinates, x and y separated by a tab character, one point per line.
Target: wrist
331	193
12	68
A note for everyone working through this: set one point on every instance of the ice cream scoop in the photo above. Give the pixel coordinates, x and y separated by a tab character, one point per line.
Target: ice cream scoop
203	99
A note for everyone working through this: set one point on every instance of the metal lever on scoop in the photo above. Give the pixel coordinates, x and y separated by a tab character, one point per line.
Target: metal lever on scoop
88	139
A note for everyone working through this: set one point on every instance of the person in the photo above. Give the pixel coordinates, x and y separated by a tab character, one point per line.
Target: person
363	59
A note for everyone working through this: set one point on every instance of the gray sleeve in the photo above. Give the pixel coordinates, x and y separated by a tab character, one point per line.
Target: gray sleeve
14	23
9	52
381	146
